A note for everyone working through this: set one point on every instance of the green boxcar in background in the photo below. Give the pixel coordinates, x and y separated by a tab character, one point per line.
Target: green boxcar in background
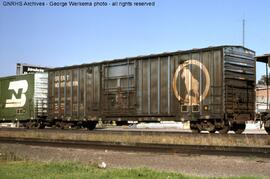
23	97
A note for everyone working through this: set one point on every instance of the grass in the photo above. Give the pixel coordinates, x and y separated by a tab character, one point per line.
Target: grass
12	166
75	170
26	169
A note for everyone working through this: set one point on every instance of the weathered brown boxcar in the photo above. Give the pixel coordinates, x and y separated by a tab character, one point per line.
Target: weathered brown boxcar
213	88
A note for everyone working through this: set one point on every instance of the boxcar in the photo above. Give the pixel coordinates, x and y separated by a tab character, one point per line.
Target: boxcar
23	99
213	88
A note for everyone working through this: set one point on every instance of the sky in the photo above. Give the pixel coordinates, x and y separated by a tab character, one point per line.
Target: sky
62	36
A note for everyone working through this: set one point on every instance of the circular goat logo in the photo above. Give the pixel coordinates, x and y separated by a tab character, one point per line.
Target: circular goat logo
192	85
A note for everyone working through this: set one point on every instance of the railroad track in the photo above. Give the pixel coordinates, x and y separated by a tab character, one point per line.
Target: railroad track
143	140
145	147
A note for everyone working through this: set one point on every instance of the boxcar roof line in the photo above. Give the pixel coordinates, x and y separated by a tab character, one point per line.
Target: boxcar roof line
149	56
14	76
263	58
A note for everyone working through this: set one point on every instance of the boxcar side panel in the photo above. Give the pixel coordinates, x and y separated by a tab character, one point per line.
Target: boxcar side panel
164	93
17	98
154	88
74	93
198	85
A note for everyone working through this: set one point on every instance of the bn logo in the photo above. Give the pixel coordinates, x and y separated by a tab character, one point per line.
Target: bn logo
18	98
194	91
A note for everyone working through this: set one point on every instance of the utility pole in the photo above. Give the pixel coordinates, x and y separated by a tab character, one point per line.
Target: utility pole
243	23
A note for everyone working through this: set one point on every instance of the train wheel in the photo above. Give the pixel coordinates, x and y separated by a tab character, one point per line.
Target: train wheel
267	126
65	125
212	131
194	127
41	126
267	130
28	125
34	125
238	128
224	130
209	126
91	125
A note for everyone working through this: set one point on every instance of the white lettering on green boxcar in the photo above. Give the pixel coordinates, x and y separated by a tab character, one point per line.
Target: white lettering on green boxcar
18	97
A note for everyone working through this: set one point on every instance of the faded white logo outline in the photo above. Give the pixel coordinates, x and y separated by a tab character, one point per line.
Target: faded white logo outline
15	86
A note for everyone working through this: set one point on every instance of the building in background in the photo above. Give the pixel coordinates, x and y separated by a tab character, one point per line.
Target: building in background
261	98
263	89
23	68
